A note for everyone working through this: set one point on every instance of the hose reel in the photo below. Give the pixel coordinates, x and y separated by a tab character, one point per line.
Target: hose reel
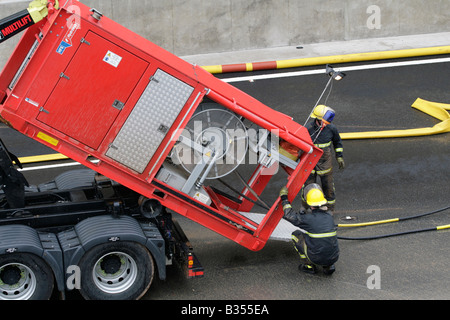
212	145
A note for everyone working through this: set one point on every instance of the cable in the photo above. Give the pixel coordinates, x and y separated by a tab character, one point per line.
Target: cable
245	197
396	234
251	190
329	92
364	224
323	92
394	220
423	214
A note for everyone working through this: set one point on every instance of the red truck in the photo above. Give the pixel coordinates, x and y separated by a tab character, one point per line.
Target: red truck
161	135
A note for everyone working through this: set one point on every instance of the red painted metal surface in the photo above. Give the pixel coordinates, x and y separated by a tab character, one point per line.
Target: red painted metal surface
81	84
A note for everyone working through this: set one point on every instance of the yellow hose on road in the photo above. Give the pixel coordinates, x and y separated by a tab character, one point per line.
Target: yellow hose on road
365	224
434	109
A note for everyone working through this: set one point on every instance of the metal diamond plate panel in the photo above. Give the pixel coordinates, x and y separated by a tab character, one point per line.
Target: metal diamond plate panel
149	122
283	230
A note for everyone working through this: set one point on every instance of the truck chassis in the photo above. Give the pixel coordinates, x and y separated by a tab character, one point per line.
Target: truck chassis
105	231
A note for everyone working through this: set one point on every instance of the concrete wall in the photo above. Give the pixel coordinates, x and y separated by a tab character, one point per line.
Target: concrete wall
188	27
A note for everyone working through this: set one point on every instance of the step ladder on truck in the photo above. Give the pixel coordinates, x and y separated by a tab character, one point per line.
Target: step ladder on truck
158	132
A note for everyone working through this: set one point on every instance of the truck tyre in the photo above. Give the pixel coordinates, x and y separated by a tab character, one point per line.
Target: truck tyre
25	276
116	271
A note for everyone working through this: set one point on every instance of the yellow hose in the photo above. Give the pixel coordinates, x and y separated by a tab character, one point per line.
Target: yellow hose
434	109
364	224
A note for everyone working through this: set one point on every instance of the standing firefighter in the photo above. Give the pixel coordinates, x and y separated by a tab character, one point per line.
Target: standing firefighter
325	136
316	240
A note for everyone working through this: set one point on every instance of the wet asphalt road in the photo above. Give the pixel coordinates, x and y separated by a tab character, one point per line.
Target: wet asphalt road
384	178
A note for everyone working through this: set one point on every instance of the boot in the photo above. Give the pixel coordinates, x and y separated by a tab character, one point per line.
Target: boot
307	268
329	270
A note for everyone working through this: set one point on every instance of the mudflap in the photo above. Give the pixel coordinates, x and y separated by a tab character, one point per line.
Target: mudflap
184	256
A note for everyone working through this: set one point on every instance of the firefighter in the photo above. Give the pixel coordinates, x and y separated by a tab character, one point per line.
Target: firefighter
316	239
326	137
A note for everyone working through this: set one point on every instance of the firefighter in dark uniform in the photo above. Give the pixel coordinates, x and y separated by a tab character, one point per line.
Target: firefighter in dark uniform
316	240
326	137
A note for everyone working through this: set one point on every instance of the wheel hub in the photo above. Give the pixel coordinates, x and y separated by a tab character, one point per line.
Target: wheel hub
10	275
17	282
111	264
115	272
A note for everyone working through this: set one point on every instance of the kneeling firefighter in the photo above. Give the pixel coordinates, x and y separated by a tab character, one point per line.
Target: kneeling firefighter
316	240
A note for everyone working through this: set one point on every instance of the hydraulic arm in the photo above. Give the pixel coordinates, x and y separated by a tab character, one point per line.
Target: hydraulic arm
14	24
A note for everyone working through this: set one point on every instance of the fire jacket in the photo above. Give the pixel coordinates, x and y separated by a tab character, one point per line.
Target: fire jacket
326	137
319	231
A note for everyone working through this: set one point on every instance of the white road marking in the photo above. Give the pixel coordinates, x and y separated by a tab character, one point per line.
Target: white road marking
54	166
343	69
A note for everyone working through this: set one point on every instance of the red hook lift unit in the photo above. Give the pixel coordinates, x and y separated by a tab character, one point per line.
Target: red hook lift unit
115	102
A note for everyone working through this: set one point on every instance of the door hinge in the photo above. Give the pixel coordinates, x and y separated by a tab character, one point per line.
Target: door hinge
118	104
41	109
83	40
62	75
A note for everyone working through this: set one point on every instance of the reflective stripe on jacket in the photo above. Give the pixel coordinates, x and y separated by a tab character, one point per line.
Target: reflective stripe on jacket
329	135
319	231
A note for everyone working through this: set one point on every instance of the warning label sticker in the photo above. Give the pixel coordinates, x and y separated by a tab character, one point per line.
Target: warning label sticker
112	59
201	197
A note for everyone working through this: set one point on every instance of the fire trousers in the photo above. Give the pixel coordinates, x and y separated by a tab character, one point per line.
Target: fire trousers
324	173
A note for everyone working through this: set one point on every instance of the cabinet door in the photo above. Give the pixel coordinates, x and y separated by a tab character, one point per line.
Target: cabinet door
92	90
150	121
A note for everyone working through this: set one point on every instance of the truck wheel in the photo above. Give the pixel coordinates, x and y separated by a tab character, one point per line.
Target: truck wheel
25	276
116	271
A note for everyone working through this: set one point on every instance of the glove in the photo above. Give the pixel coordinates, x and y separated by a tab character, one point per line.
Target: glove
284	191
341	163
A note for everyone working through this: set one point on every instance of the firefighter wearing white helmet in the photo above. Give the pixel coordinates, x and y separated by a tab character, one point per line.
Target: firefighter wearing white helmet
316	239
325	136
